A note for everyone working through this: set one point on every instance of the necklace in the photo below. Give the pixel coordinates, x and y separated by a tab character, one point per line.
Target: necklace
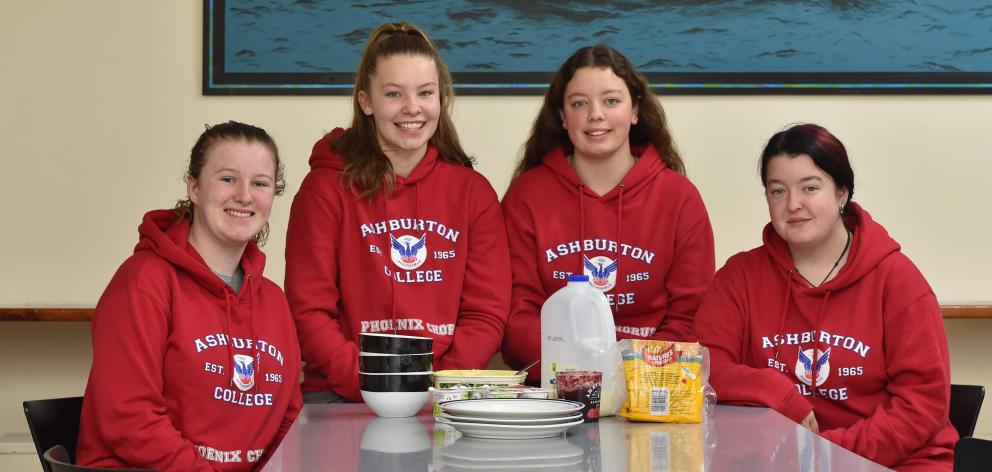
832	269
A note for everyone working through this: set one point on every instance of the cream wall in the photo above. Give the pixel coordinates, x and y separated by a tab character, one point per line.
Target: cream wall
101	102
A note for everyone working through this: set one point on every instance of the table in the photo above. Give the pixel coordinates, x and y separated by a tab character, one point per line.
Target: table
346	437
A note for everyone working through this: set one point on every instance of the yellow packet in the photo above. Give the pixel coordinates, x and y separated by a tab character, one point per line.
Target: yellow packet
664	381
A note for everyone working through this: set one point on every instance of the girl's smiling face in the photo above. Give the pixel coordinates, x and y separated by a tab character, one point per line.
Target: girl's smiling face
405	102
233	193
598	113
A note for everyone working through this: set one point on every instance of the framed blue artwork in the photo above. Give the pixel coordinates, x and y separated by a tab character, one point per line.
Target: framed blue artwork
291	47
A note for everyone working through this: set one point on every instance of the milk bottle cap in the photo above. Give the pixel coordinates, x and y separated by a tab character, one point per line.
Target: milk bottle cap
578	278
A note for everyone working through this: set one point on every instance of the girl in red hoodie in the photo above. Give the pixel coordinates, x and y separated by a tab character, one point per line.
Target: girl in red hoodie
392	231
195	357
601	191
828	322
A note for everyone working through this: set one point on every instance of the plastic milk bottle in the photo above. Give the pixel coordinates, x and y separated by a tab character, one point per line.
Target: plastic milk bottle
578	333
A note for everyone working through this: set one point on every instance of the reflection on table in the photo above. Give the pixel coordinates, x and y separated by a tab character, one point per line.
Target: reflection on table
346	437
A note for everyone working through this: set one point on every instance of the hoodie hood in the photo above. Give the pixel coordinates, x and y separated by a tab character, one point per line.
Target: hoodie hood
323	156
161	233
648	166
870	244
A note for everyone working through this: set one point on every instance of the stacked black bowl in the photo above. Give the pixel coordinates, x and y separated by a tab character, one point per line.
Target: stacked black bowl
396	373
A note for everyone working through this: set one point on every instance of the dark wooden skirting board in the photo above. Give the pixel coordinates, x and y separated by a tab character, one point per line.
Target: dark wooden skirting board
45	314
84	314
966	311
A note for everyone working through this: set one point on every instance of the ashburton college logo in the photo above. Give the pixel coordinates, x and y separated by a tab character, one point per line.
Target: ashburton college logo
602	272
408	252
244	371
805	370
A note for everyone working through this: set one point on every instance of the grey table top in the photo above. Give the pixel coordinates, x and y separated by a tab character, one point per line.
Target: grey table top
346	437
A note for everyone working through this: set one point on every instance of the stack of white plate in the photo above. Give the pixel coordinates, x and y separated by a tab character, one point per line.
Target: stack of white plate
511	418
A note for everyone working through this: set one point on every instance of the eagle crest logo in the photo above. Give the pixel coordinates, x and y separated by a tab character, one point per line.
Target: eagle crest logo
408	252
602	272
244	371
807	372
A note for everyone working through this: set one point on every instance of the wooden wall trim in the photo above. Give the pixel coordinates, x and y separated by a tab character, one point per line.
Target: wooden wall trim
46	314
966	311
85	313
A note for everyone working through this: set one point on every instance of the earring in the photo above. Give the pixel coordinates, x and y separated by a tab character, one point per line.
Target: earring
563	125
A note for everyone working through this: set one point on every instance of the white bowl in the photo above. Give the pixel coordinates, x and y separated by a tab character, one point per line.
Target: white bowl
395	404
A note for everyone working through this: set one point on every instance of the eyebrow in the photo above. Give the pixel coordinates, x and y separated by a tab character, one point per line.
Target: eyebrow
425	84
604	92
236	171
804	179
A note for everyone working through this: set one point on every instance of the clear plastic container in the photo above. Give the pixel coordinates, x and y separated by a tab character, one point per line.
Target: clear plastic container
475	378
578	333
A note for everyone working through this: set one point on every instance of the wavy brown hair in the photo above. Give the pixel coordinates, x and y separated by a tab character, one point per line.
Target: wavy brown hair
652	126
366	167
216	134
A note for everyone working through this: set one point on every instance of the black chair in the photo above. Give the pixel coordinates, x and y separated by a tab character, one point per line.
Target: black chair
54	422
966	402
58	458
973	455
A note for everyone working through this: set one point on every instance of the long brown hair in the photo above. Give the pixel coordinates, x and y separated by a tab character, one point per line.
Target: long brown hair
652	126
216	134
366	167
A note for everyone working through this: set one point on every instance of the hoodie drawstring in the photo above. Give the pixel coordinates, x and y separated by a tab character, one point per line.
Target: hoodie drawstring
392	270
785	311
816	326
816	336
582	236
616	287
251	326
227	333
228	295
582	224
392	267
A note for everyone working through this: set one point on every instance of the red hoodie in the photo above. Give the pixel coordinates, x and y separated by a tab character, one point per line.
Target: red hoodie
883	386
430	259
188	375
647	244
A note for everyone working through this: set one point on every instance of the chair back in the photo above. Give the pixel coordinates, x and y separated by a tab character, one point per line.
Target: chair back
966	402
54	422
973	455
58	458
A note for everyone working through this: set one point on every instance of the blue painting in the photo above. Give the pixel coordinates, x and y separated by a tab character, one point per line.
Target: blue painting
701	46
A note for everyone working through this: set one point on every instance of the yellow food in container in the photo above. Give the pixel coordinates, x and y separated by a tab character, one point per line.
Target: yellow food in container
476	378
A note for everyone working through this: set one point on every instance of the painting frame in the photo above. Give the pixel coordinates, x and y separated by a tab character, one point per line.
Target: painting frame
217	80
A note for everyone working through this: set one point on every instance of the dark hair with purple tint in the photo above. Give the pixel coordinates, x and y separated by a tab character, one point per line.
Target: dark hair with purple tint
815	141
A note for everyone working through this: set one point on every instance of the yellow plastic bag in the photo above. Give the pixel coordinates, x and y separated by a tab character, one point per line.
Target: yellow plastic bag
665	380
